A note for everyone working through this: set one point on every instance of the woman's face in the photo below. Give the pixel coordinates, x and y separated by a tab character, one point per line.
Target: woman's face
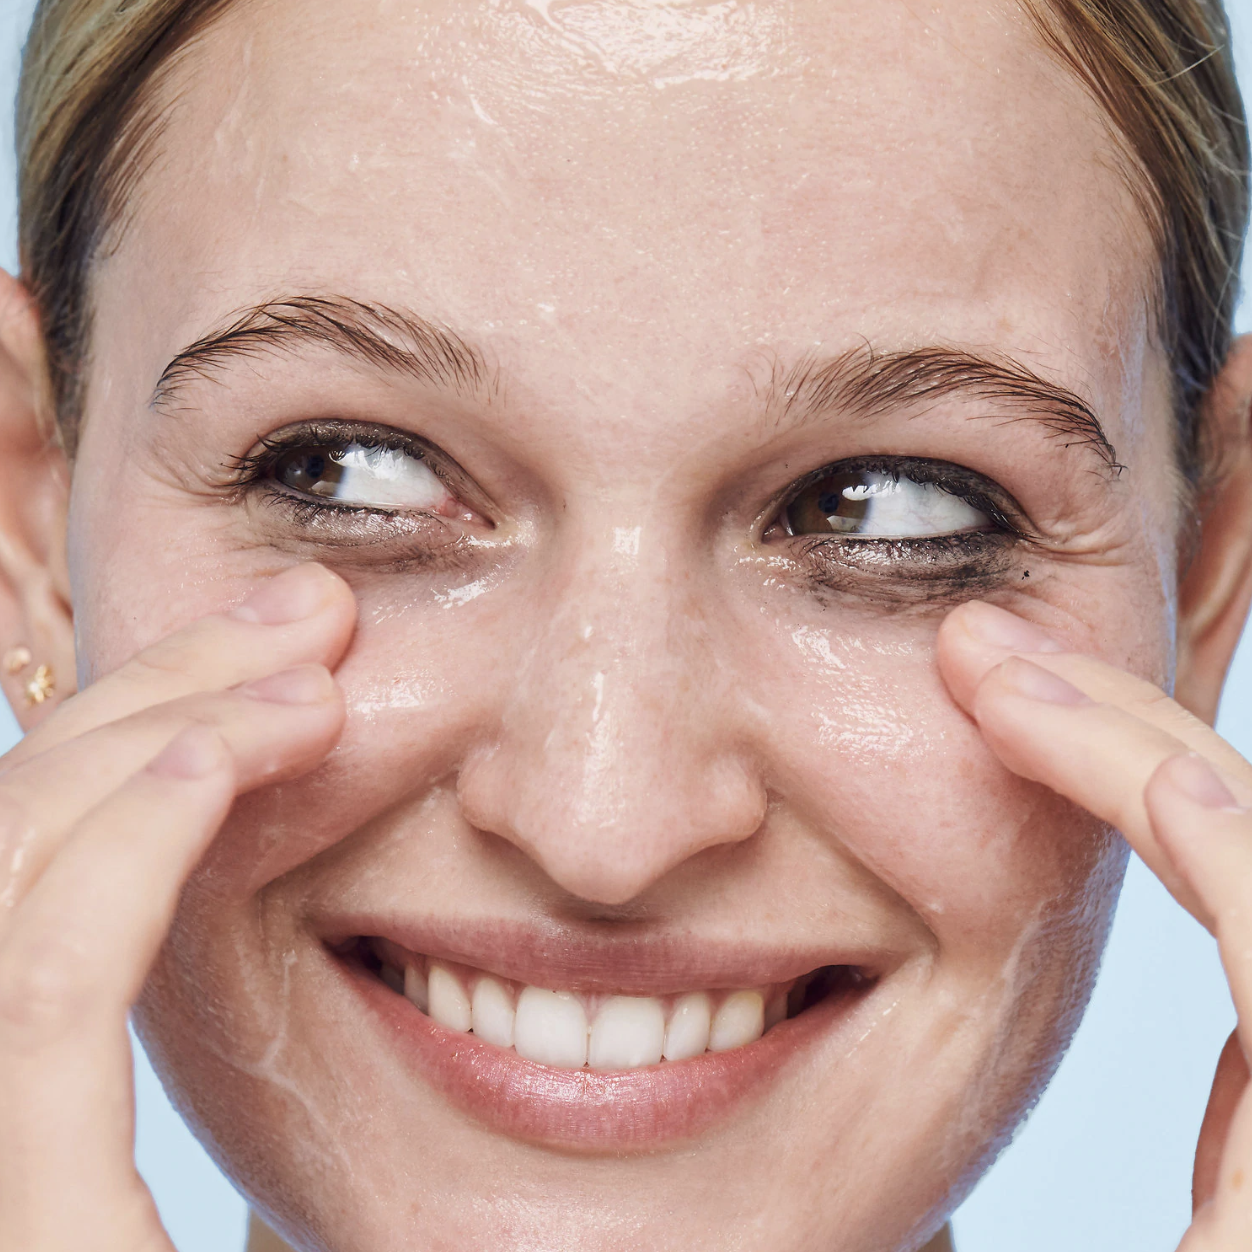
585	298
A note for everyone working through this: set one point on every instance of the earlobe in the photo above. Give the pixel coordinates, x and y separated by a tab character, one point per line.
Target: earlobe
1216	587
35	615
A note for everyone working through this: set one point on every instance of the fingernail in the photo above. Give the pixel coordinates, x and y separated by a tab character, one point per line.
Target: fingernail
1198	781
1006	630
1037	683
294	594
306	684
193	753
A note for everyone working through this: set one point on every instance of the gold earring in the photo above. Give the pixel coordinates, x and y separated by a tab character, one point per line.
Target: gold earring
40	687
17	659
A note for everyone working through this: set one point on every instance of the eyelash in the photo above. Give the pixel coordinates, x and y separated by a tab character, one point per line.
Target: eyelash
253	470
955	562
975	490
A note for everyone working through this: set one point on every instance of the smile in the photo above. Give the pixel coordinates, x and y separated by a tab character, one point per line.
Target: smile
569	1055
597	1030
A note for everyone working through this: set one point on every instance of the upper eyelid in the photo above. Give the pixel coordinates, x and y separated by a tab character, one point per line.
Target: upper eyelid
892	464
244	470
1013	519
250	471
331	433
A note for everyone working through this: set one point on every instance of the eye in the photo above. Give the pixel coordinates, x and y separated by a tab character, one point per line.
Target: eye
880	504
364	476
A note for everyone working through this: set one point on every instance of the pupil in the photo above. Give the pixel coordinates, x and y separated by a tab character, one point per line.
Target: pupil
837	504
311	471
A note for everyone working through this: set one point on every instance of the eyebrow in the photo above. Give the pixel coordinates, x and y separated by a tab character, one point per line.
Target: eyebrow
373	334
862	381
865	382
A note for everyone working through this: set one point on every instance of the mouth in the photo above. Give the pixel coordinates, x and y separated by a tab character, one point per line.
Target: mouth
598	1030
584	1065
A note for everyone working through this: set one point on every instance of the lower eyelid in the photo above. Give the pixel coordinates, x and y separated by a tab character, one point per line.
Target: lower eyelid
854	554
309	510
930	579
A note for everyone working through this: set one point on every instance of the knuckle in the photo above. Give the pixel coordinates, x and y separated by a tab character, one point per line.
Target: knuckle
1156	702
161	662
43	996
1159	710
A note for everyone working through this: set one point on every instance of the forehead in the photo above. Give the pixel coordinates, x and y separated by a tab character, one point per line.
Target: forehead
644	176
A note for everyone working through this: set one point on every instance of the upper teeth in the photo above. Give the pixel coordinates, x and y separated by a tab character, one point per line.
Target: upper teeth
570	1030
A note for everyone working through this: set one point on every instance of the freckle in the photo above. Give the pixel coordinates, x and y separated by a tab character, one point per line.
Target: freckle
1236	1180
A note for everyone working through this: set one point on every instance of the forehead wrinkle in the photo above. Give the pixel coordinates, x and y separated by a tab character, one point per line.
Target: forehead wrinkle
866	382
377	335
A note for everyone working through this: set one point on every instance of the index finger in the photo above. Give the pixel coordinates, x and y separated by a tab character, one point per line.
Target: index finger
304	614
1087	730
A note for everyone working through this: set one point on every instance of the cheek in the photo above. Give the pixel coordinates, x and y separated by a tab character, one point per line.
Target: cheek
869	747
422	683
1010	887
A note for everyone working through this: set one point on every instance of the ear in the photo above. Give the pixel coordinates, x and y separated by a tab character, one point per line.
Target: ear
1216	587
35	614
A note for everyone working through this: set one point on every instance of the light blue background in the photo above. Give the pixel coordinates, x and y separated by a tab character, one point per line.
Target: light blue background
1104	1163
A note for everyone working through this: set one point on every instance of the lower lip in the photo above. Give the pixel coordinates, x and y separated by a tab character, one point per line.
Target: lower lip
592	1111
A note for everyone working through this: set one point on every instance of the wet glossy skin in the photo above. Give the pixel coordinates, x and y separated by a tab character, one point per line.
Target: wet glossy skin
627	706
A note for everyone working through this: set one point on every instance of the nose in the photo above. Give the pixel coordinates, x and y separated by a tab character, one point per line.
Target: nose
619	750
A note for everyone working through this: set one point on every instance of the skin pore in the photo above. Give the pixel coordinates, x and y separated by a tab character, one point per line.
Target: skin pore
629	275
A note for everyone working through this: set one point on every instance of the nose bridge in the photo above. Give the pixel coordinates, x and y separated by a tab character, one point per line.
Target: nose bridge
616	756
609	682
624	654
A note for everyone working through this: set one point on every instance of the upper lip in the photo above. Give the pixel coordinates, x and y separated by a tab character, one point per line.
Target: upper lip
630	958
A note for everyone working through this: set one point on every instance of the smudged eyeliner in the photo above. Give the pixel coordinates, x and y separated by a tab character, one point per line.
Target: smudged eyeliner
927	568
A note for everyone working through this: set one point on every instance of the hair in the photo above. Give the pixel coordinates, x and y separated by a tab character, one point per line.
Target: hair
1162	71
85	126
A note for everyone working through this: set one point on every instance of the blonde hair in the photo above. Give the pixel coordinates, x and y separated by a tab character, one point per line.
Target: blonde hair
1161	69
83	134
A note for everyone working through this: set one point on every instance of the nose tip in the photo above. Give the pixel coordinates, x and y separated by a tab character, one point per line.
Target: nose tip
610	835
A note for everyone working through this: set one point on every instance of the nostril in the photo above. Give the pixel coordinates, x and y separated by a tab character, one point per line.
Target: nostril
610	858
609	811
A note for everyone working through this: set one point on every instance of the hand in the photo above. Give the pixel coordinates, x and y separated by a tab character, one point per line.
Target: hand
1181	795
105	808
